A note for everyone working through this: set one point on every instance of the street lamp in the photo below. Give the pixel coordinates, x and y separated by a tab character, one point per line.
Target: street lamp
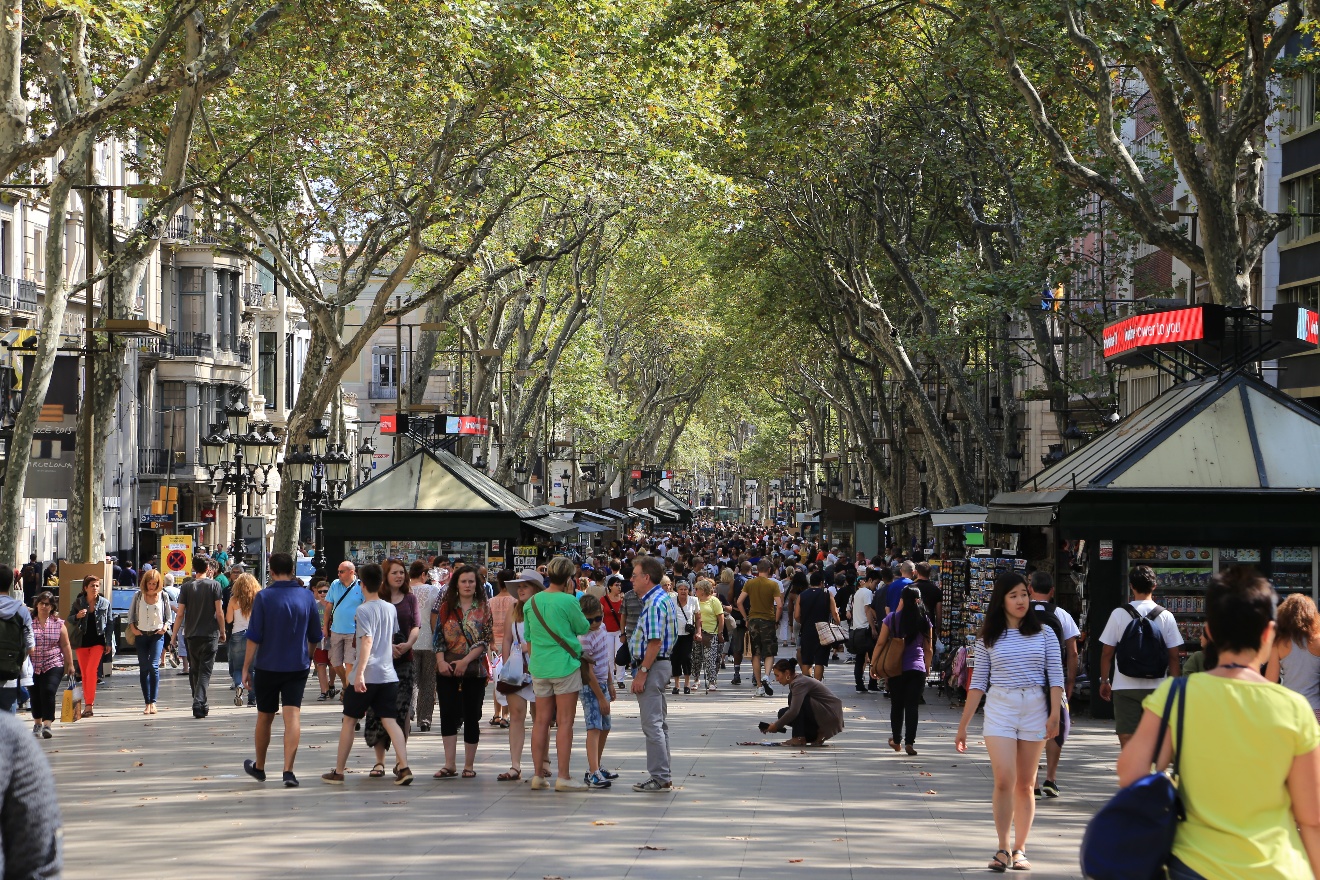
366	457
238	457
319	478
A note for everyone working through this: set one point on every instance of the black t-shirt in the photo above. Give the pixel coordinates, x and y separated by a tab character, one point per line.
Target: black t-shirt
198	598
930	597
878	599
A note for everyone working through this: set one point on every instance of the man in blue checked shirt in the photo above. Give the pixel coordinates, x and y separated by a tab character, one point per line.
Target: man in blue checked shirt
653	641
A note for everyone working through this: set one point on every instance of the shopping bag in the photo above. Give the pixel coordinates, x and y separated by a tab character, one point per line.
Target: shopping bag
509	679
69	712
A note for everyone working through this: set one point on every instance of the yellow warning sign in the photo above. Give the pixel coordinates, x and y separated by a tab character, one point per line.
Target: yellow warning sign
176	553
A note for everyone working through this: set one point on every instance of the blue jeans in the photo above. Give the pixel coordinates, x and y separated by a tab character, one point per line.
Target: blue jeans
237	651
149	648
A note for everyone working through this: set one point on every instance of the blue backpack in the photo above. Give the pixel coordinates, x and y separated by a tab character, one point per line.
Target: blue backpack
1132	835
1141	652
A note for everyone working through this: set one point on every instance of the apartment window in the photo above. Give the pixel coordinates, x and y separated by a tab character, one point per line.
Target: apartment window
235	306
384	381
6	243
1301	98
1299	195
266	364
222	310
290	374
173	416
39	256
1305	295
192	308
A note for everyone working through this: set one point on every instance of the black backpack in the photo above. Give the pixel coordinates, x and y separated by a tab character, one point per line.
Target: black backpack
1045	614
1141	652
13	647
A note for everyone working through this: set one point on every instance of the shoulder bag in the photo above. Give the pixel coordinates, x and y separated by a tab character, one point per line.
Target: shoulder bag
582	660
890	662
830	633
511	678
1132	835
129	638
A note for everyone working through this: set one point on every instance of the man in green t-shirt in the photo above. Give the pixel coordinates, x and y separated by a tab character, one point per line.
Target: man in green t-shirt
760	604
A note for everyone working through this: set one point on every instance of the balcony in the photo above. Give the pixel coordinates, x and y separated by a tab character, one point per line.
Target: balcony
159	462
18	295
378	391
244	352
253	295
151	347
183	344
191	229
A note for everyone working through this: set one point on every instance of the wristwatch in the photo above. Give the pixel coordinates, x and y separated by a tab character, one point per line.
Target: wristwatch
643	669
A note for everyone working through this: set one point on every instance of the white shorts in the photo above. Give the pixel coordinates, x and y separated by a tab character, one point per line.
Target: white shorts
1016	713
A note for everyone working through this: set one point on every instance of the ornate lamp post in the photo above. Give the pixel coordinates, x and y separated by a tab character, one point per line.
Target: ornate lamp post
319	476
238	457
366	458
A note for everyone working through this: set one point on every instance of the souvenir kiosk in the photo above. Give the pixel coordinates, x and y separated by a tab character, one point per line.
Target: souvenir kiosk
435	504
1220	470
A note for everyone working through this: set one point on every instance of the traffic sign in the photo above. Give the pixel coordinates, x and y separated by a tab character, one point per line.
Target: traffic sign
153	519
176	553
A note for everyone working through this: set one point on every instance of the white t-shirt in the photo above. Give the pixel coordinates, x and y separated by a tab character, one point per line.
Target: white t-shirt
1113	634
860	600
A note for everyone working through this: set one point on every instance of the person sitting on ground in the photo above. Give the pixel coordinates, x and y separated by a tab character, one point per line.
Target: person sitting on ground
813	712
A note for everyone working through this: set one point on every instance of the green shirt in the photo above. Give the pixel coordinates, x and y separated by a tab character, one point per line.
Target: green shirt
563	614
1238	749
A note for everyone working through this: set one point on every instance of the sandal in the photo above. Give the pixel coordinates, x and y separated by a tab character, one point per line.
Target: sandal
513	774
469	774
997	864
504	723
444	773
898	748
377	771
494	722
1020	862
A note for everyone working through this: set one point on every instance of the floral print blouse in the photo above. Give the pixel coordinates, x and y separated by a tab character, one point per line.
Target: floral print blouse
457	633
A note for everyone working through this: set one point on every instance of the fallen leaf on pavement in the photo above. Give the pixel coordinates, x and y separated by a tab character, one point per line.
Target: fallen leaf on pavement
137	763
838	840
794	861
924	773
604	822
930	791
649	846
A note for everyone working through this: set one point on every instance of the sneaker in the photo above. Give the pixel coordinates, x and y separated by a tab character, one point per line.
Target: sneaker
569	785
251	769
36	728
768	692
45	731
238	696
333	777
595	780
861	689
756	690
540	783
290	781
1050	789
1038	794
653	786
424	726
607	774
324	696
737	679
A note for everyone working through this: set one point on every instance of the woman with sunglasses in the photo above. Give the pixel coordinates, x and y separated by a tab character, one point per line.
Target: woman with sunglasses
51	657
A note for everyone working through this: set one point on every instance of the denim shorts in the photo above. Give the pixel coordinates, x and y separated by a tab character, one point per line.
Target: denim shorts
1016	713
591	710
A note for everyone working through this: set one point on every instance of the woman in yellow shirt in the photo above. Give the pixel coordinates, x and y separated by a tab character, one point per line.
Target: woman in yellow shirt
1250	768
706	648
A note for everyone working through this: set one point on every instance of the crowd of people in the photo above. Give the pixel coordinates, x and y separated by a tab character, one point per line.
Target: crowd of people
679	614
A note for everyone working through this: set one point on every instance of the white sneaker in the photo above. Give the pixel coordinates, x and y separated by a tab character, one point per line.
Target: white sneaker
36	728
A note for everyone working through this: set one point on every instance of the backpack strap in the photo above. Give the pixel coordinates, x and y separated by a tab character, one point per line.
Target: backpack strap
1132	612
1154	613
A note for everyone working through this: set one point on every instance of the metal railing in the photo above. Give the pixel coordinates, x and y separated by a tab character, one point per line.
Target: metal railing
152	347
199	231
377	391
18	294
184	344
153	461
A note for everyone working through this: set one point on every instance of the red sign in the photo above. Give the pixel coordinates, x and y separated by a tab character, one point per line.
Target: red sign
208	514
473	425
1152	329
636	474
387	424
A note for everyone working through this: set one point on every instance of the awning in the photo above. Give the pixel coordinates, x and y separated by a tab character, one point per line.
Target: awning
962	515
1037	515
551	525
903	516
642	514
588	528
810	516
615	515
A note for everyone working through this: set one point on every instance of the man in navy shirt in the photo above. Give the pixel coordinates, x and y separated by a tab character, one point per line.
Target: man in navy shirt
283	630
903	576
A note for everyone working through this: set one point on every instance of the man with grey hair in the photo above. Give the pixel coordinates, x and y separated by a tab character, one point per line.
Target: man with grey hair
652	645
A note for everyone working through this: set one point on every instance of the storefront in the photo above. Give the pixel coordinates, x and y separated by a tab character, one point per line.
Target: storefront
1215	472
434	503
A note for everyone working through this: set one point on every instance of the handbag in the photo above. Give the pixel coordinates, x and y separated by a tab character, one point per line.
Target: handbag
623	656
129	638
829	633
1132	835
890	662
688	626
510	679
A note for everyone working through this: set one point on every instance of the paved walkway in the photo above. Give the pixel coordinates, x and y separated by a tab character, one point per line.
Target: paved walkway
167	797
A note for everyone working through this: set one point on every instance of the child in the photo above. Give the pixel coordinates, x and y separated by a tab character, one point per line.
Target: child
597	691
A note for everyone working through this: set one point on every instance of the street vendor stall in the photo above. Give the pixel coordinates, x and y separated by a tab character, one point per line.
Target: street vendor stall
435	504
1215	472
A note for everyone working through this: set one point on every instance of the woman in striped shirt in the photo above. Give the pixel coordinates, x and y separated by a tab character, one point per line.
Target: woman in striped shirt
1018	667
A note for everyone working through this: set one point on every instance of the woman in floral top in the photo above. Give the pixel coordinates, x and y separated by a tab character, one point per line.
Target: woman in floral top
462	624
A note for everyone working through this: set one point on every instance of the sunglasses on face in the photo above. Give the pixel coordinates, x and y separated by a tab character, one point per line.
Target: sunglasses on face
322	592
595	619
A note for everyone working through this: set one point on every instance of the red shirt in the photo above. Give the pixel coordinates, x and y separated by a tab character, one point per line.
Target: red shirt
613	613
